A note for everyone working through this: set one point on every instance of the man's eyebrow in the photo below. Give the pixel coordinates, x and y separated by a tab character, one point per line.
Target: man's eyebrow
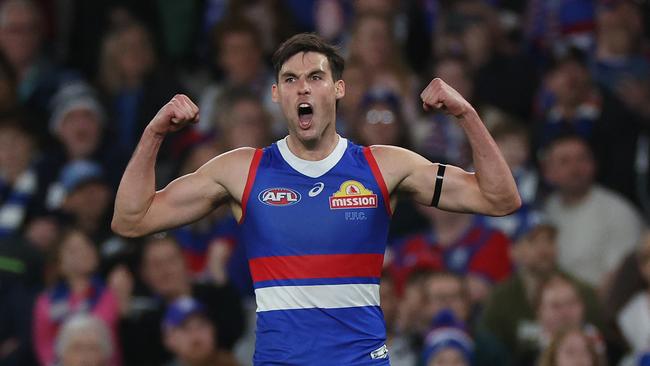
291	73
287	73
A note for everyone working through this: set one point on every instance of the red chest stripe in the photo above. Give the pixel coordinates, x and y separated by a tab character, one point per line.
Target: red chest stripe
316	266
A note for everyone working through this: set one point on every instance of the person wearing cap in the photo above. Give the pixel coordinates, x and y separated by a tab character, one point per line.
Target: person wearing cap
86	197
445	291
509	312
78	122
192	336
165	273
448	343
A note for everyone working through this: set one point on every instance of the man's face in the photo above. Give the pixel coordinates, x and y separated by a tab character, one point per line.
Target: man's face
537	253
20	34
247	125
560	306
89	200
444	292
85	349
240	58
80	132
15	151
307	95
193	342
379	125
164	269
570	167
78	256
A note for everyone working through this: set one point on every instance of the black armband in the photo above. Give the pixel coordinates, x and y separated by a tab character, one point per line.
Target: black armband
438	188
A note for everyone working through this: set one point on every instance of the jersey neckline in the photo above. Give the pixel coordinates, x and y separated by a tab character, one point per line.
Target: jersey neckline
312	169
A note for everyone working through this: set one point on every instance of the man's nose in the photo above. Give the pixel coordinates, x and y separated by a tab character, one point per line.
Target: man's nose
303	87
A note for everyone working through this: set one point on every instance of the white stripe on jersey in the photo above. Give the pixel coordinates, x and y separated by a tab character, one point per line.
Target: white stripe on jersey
316	296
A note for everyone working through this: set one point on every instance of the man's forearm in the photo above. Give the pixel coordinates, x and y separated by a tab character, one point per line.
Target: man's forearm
138	185
492	172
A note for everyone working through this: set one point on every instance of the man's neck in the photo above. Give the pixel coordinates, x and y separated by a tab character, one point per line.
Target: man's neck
316	150
574	198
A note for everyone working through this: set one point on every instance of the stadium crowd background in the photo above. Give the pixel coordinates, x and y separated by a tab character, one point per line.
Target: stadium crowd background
564	87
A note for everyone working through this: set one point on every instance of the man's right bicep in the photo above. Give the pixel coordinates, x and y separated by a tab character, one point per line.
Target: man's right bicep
183	201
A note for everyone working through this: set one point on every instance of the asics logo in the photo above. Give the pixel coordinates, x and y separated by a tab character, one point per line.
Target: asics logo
317	189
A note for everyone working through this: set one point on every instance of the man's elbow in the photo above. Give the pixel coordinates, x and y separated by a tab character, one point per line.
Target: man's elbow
507	205
125	229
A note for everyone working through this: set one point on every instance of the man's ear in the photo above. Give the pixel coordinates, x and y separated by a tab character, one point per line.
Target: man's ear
274	93
340	89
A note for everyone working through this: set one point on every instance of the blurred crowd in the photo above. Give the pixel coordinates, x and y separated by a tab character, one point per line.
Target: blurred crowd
563	86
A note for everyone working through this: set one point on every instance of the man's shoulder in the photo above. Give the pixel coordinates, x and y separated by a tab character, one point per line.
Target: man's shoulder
609	197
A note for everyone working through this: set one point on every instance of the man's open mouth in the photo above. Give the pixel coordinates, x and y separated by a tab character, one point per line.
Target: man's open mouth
305	114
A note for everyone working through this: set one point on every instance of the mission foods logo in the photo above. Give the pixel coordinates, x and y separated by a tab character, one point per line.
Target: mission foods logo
279	197
353	194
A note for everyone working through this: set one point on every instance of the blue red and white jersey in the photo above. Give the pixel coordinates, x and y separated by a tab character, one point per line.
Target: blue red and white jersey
315	235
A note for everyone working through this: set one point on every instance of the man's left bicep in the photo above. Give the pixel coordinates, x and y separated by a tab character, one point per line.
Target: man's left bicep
444	186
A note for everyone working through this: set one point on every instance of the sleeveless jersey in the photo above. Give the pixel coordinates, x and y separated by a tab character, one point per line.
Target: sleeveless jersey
315	235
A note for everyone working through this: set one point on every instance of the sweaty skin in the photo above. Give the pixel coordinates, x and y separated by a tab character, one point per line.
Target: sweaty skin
307	78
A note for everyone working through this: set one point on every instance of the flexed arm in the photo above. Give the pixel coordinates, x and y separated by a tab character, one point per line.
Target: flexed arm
491	190
139	209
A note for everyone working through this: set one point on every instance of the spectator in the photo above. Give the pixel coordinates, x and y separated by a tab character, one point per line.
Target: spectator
238	55
165	273
570	102
79	123
21	186
571	347
192	336
373	46
22	33
381	121
509	313
77	291
447	292
243	120
86	198
447	344
134	84
501	73
596	227
558	307
458	243
84	340
619	65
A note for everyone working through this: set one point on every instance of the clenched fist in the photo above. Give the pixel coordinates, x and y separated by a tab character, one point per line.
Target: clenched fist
439	95
176	114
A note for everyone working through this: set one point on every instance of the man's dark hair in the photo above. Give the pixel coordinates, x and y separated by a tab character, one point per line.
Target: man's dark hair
308	42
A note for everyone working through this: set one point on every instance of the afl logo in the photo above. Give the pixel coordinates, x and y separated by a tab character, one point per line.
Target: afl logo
279	197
